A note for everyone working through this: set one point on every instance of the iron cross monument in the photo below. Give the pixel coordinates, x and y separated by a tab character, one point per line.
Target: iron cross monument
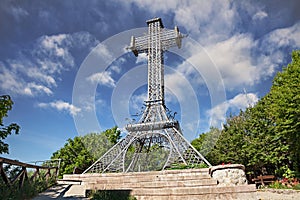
155	142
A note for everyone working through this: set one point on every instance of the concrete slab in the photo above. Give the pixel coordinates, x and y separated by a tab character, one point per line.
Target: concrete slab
60	192
75	191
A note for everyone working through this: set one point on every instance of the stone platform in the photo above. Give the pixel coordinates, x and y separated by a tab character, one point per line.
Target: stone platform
165	185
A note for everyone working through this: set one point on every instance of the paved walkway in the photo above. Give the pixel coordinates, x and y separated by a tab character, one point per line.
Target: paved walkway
63	192
273	194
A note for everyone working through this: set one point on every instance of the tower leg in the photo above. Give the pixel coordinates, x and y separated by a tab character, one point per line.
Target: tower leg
151	151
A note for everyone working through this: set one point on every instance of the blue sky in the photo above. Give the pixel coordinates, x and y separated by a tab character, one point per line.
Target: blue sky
65	65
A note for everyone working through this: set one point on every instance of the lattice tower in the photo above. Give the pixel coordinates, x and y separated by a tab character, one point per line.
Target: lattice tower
155	142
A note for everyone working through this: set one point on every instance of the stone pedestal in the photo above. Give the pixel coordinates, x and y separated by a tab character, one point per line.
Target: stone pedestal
229	175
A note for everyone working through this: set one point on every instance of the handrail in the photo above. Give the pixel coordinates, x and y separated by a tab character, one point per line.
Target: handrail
21	164
23	175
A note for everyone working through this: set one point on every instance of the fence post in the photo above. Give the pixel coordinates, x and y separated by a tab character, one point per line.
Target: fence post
3	175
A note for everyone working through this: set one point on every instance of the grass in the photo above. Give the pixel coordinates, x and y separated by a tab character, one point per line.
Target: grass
28	190
183	166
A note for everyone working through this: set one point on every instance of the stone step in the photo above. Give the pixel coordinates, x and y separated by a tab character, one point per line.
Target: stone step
193	190
169	184
141	176
110	180
230	192
68	182
105	180
203	171
156	184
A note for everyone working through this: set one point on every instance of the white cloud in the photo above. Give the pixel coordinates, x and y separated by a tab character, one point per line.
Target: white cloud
233	59
19	13
61	106
53	53
36	71
213	29
142	58
209	21
176	82
239	102
32	88
103	78
289	36
54	44
9	81
242	101
156	5
240	67
103	52
272	49
215	24
260	15
116	68
137	100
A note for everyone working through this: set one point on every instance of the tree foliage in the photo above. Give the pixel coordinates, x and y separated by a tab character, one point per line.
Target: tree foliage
284	107
205	143
73	155
113	134
82	151
6	105
265	137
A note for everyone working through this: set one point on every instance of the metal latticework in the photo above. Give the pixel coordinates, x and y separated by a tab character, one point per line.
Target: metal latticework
156	141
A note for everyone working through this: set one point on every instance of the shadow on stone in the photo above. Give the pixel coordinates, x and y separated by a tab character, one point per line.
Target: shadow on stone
64	191
111	194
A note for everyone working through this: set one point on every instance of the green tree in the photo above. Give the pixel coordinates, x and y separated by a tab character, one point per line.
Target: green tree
206	141
83	151
113	134
73	155
284	107
98	143
230	147
6	105
266	136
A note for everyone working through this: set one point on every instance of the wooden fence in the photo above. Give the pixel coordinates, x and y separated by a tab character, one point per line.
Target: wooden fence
22	174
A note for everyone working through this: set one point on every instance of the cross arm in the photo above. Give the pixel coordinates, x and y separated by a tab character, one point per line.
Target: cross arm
167	37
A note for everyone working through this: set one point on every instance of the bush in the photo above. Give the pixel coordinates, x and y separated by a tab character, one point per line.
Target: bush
27	191
183	166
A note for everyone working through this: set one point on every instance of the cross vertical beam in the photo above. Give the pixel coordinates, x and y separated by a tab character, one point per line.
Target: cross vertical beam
155	62
154	44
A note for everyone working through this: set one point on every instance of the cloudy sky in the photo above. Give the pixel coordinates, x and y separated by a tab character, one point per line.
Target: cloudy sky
67	69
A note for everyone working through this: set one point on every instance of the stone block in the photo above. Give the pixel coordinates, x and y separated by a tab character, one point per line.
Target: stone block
229	175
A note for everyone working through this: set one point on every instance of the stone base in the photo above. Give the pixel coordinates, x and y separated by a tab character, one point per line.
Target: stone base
229	175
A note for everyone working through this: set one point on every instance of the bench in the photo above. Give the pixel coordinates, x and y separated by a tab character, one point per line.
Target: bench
264	179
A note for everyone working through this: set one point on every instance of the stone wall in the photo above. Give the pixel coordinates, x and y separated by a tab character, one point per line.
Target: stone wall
229	175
